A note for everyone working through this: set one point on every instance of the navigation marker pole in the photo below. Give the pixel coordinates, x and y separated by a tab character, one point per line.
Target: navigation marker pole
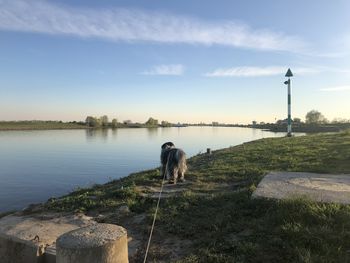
289	74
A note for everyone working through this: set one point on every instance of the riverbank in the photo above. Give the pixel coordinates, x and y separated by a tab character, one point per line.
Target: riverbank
212	217
303	127
59	125
39	125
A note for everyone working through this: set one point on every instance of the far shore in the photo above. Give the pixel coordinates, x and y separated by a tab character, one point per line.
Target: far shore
273	127
39	125
59	125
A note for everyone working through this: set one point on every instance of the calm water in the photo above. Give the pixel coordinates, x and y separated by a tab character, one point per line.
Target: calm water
36	165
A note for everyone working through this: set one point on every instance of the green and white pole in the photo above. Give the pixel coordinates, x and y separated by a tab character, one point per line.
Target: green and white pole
289	129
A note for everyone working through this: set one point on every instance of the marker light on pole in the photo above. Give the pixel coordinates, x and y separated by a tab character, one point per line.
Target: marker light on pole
289	74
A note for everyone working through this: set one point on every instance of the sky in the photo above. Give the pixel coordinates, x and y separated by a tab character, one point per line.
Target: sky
182	61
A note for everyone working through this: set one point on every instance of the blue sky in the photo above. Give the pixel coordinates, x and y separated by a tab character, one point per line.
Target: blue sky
181	61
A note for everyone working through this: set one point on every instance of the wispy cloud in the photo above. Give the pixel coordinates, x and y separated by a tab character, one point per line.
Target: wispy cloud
337	70
335	54
257	71
174	70
337	88
136	25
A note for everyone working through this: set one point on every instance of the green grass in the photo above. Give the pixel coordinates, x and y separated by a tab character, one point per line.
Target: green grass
107	196
39	125
232	227
229	226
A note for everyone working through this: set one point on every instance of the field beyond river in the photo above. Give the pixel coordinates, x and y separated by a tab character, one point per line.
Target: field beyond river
212	218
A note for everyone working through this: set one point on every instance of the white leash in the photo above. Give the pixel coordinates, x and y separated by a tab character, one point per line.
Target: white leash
155	215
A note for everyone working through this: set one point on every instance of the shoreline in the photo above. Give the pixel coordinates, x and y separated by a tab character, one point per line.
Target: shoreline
53	125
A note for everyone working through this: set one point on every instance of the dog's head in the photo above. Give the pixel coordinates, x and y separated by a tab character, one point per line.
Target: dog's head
167	145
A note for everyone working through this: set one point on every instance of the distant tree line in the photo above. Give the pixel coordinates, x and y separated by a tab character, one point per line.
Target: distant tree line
315	117
102	122
315	121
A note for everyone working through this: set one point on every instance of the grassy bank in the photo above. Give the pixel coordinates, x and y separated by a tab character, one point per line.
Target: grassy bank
215	216
39	125
304	127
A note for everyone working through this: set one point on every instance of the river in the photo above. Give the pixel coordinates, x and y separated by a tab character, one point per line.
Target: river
37	165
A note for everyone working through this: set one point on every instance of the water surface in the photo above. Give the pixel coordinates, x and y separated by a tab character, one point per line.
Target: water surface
37	165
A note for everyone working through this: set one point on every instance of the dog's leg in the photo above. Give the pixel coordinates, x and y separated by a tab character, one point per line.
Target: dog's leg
162	171
182	176
182	166
168	169
171	176
176	175
168	175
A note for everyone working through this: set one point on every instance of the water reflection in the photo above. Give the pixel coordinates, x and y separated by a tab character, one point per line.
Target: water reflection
254	132
166	131
114	133
215	130
152	132
96	134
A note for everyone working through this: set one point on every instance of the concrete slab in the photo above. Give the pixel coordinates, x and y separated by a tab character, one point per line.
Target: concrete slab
34	234
327	188
15	250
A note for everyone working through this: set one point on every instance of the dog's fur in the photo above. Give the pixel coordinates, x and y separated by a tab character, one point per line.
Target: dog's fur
173	163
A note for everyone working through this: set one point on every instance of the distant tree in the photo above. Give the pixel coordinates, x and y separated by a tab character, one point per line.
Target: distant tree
340	121
114	123
151	122
165	124
98	122
315	117
296	120
104	121
92	121
89	120
127	122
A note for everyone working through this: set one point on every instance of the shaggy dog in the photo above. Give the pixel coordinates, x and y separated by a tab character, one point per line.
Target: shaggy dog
173	163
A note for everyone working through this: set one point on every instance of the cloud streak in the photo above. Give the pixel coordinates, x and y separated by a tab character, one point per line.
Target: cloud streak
257	71
166	70
336	88
136	25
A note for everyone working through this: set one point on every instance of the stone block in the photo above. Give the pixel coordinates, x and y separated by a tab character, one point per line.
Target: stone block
15	250
103	243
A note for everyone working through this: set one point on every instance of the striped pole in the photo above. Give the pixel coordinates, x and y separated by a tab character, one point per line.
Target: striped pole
289	129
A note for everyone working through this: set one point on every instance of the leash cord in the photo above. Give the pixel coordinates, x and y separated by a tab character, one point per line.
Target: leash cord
155	215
